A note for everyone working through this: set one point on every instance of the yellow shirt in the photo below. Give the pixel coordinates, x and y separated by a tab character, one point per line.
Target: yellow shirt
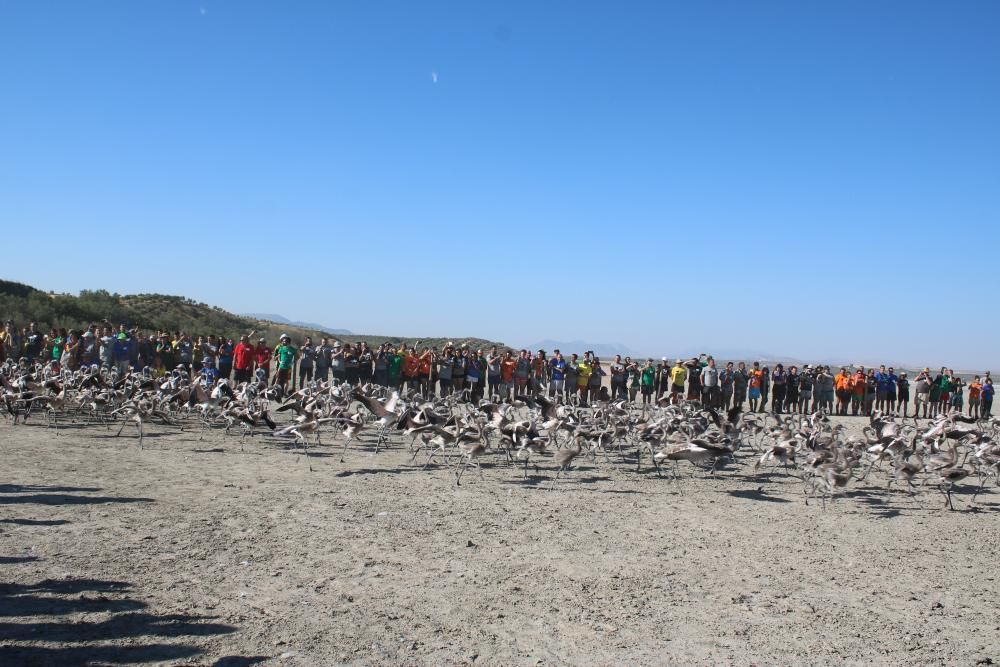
586	370
678	374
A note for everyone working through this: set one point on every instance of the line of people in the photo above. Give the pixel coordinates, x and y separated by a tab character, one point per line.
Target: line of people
507	373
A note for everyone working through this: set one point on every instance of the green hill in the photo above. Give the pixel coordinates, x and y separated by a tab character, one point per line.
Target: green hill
152	312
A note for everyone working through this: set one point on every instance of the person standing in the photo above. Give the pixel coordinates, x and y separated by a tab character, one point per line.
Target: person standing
572	376
678	376
123	350
395	358
338	363
445	363
807	385
262	360
633	378
557	371
226	350
986	399
285	356
321	360
871	391
584	369
792	389
975	395
522	373
647	381
922	393
460	369
765	386
709	380
903	394
366	363
957	391
842	386
351	368
741	380
539	374
662	387
185	352
243	359
596	379
507	369
618	380
726	378
779	388
307	361
694	380
880	388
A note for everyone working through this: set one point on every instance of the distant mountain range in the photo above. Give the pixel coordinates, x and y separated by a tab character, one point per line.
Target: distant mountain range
280	319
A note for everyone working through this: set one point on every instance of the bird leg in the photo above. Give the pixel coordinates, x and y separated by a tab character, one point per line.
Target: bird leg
344	453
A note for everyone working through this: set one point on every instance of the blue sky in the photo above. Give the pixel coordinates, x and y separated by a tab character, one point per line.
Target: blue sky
806	179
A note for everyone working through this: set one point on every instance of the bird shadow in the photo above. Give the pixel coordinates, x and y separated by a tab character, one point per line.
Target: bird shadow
66	499
30	488
240	660
35	522
11	560
376	471
756	494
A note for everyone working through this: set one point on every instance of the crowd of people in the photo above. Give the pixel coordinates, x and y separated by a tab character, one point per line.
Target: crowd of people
504	373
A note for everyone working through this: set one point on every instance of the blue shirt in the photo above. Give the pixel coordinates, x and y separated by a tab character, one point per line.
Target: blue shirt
122	349
558	369
885	381
211	374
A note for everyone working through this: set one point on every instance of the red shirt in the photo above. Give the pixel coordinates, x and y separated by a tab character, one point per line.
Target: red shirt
262	353
507	368
411	366
243	356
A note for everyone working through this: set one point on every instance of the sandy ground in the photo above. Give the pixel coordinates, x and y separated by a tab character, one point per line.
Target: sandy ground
191	551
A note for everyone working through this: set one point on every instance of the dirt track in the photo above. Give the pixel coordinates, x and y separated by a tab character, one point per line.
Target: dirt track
191	551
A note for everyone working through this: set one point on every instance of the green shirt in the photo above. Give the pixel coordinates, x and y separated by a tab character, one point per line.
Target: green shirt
648	376
57	345
395	365
286	356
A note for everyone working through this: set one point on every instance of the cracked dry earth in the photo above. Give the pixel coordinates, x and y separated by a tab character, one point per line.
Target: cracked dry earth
191	551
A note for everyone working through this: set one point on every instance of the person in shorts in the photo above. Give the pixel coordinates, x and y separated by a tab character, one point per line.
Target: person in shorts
975	394
923	387
647	382
285	356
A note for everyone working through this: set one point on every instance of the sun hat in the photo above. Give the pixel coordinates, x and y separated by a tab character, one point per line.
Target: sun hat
663	358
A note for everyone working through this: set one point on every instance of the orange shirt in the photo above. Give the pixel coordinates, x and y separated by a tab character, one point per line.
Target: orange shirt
858	383
975	389
842	382
507	368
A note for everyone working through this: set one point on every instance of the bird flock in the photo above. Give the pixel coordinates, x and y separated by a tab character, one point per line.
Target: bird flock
529	435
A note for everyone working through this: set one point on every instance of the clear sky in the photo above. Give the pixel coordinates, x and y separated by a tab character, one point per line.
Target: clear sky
802	178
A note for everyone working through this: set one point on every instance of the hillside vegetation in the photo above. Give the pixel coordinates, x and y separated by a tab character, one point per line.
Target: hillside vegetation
152	312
